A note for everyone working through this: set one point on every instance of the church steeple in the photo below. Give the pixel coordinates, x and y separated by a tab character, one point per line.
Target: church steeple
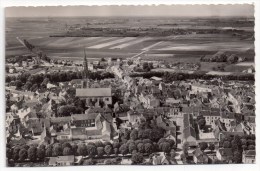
85	65
85	71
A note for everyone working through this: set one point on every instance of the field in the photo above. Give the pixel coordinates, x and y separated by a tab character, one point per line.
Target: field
173	48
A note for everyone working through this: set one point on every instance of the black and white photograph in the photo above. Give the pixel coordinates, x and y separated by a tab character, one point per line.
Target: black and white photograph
129	85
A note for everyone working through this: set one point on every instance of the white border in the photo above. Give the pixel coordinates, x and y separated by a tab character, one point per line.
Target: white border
242	167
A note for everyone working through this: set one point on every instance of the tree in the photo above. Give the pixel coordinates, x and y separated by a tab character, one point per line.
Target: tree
146	66
130	62
243	141
92	150
40	153
66	144
123	149
100	151
237	157
162	140
226	144
141	148
48	152
9	153
137	158
236	143
18	84
67	151
126	134
99	144
201	121
203	146
82	150
16	153
116	150
171	142
116	145
134	134
57	150
67	110
23	154
42	146
107	143
173	154
32	153
148	147
211	146
108	149
165	147
131	147
74	148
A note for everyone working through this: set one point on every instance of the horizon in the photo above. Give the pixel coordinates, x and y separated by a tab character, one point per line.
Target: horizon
133	11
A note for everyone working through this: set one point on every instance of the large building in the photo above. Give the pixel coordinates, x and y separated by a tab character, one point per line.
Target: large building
98	97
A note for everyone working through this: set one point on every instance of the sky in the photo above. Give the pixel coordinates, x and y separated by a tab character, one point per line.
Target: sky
246	10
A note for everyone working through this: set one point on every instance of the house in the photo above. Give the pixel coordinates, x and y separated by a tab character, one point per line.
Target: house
210	116
35	125
224	154
199	157
62	161
189	134
82	126
172	101
49	86
95	96
12	122
200	88
227	118
248	156
160	159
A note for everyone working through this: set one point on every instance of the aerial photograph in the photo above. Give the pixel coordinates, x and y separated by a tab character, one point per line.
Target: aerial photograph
129	85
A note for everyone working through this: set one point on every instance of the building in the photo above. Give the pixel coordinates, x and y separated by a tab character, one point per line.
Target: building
95	96
62	161
82	127
248	156
189	133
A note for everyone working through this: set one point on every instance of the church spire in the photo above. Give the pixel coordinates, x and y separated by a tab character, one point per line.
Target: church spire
85	65
85	71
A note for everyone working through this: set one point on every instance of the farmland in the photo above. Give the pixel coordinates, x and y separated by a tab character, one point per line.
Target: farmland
196	41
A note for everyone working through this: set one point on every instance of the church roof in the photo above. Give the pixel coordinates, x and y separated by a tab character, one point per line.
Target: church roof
93	92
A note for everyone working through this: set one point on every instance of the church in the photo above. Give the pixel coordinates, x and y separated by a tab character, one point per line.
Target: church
98	97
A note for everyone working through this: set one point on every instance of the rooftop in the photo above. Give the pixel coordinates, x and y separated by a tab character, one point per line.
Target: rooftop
93	92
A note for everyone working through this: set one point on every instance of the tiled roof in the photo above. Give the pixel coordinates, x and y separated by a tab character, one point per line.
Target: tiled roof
84	116
93	92
189	131
250	153
78	131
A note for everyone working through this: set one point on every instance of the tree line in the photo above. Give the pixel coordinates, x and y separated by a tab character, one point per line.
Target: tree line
30	82
169	77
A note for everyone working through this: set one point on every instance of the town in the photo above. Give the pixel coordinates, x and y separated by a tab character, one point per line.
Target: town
89	117
116	90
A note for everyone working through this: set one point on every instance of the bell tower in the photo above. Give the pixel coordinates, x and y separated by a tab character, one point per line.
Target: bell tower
85	71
